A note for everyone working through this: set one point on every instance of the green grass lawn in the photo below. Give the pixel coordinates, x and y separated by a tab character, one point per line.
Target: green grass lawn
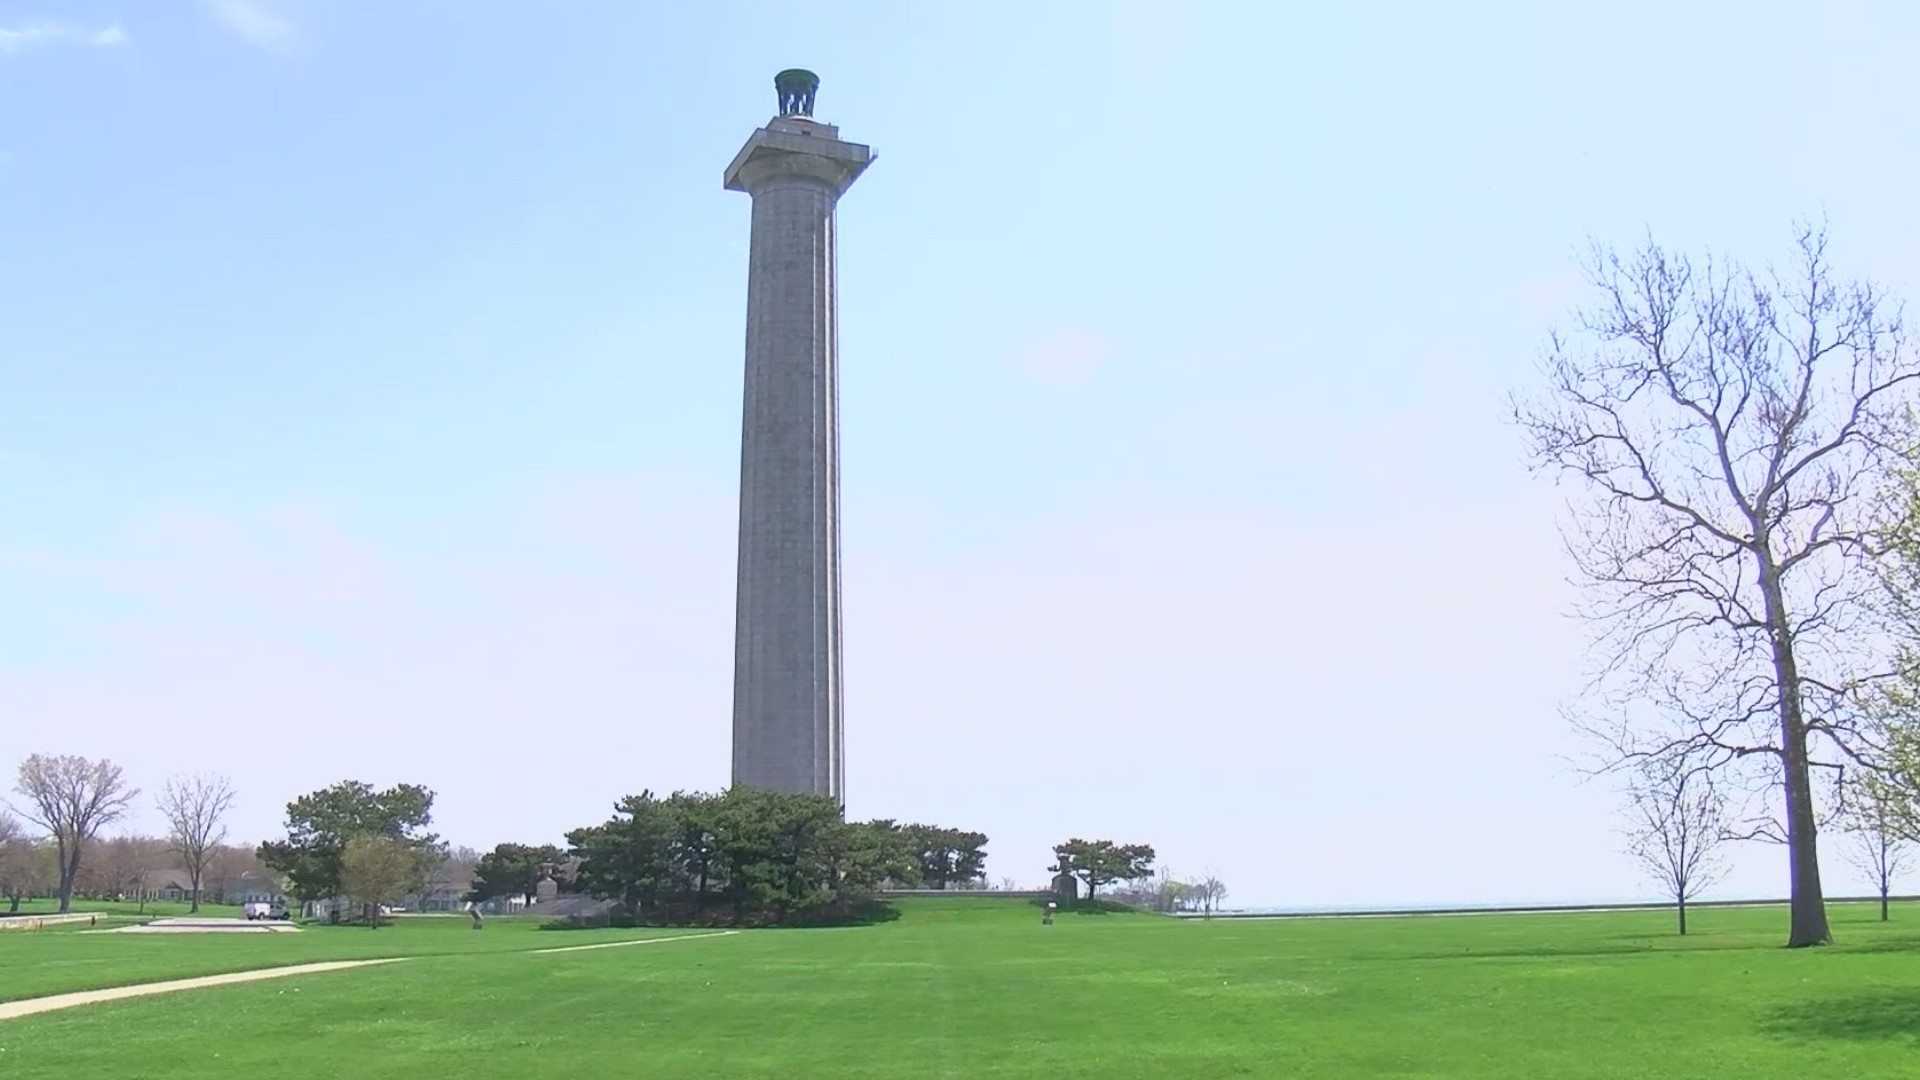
980	988
151	909
59	960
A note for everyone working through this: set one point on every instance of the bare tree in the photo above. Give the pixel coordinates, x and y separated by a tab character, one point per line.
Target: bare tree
232	868
447	869
20	863
1879	820
72	798
457	869
194	807
1210	891
1729	429
1676	822
26	870
124	866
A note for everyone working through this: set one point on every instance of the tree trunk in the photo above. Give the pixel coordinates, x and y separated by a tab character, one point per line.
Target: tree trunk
1807	922
1683	916
69	870
1883	903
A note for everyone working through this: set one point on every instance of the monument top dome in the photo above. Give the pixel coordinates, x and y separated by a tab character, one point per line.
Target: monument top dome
796	88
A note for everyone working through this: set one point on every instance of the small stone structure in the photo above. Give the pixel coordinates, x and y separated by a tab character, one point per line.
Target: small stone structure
1066	887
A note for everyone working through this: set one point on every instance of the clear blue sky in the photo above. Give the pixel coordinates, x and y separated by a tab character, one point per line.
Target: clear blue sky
370	373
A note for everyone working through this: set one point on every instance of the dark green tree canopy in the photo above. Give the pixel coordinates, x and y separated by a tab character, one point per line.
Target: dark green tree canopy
515	870
320	824
1101	862
947	856
742	856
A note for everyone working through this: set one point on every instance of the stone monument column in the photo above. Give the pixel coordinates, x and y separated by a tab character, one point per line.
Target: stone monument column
787	733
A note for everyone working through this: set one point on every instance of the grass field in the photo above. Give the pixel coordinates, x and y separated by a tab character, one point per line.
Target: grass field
124	907
979	988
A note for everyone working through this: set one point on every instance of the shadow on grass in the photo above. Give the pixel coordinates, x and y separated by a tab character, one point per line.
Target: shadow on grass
871	913
1619	946
1881	1014
1880	945
1090	907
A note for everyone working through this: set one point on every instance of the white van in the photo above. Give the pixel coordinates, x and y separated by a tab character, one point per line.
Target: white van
273	910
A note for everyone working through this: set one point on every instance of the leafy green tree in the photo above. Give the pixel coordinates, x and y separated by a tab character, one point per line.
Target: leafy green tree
694	848
947	856
513	870
377	870
629	858
1103	861
1892	706
320	824
1879	818
752	856
1899	780
878	851
778	851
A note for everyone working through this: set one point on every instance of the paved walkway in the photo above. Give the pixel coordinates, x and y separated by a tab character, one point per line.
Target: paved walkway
10	1010
635	941
204	926
35	922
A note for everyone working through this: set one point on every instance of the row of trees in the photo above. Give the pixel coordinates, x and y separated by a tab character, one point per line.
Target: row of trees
1168	893
515	870
1095	863
1678	823
120	866
346	840
1129	869
756	857
353	840
69	799
740	856
371	846
1746	530
937	858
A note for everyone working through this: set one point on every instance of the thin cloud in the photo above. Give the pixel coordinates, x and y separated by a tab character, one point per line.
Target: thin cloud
253	21
35	35
1149	33
1064	356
